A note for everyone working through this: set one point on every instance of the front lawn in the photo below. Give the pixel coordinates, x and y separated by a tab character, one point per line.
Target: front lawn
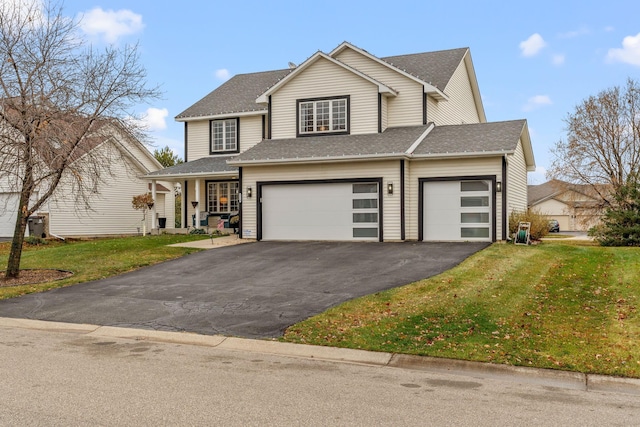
93	259
565	305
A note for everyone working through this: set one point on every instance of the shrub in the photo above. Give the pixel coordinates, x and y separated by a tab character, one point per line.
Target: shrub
539	223
197	231
621	222
34	241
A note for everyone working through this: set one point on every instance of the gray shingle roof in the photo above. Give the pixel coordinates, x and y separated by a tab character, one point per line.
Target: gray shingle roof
205	165
239	93
432	67
391	141
472	138
236	95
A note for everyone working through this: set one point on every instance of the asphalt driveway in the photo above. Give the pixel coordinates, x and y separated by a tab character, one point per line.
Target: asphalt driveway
254	290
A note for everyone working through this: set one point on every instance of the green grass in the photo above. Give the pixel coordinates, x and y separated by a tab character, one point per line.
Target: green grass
565	305
93	259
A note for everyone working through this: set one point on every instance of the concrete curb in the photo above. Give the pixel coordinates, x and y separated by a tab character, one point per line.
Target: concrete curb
518	374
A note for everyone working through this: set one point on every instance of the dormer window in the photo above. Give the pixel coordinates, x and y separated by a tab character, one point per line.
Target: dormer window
224	136
323	116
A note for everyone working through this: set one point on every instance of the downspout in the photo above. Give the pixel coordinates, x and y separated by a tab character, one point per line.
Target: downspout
505	225
242	198
402	202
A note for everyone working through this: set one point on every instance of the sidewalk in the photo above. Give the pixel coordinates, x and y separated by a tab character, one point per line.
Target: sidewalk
216	242
516	374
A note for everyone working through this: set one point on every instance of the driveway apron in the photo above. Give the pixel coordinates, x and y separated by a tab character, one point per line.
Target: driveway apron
253	290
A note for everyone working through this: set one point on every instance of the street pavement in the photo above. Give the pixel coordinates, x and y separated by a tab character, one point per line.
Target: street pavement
68	375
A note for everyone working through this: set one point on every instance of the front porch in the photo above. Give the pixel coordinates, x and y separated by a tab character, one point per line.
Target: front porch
210	194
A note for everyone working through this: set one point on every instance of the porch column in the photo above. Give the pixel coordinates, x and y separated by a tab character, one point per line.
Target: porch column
197	207
153	209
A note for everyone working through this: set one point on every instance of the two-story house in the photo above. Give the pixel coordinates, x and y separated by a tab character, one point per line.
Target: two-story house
349	146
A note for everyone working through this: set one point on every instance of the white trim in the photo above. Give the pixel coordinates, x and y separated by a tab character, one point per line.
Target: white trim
421	138
428	87
365	157
382	88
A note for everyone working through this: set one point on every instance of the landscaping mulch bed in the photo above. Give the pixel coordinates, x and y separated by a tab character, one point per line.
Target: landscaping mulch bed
31	277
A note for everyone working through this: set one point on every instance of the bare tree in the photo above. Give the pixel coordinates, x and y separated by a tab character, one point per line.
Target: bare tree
602	149
58	95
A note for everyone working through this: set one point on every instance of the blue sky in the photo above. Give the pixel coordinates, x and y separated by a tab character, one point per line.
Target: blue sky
533	60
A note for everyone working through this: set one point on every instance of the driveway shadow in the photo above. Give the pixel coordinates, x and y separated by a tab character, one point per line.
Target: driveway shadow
253	290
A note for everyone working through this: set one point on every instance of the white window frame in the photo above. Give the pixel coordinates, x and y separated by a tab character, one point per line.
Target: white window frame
319	128
227	146
218	189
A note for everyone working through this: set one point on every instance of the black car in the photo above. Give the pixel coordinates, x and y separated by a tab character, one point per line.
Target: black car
554	226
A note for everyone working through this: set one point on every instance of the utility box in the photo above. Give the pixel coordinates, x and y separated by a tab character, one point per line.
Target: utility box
36	226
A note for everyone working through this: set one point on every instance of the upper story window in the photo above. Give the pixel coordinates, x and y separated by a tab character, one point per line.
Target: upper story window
224	136
325	115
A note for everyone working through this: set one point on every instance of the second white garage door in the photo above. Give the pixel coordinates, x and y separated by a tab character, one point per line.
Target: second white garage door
322	211
457	210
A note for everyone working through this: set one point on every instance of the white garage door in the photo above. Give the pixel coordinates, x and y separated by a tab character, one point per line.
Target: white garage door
8	213
326	211
457	210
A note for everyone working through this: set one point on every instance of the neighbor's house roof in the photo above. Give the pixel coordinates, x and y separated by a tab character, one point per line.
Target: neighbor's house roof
551	189
238	95
427	141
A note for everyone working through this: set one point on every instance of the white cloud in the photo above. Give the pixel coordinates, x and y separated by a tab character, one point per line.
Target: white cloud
558	59
576	33
536	102
629	53
154	118
222	74
111	24
531	46
609	29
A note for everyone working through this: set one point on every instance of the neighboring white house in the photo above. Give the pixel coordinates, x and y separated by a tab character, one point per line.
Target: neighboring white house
576	207
111	211
349	146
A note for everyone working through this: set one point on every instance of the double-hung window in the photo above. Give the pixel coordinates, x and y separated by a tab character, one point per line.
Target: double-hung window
224	135
222	197
323	116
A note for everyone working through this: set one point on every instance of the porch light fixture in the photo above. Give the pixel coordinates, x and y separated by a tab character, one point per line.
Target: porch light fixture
390	188
150	205
498	187
194	204
248	191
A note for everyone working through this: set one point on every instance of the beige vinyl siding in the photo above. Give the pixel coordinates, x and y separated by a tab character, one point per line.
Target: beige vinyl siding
516	181
250	131
142	155
325	79
385	113
388	170
111	213
461	107
446	168
197	140
404	109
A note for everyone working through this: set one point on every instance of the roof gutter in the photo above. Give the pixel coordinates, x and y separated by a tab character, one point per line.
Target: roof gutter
388	156
222	115
169	177
462	154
